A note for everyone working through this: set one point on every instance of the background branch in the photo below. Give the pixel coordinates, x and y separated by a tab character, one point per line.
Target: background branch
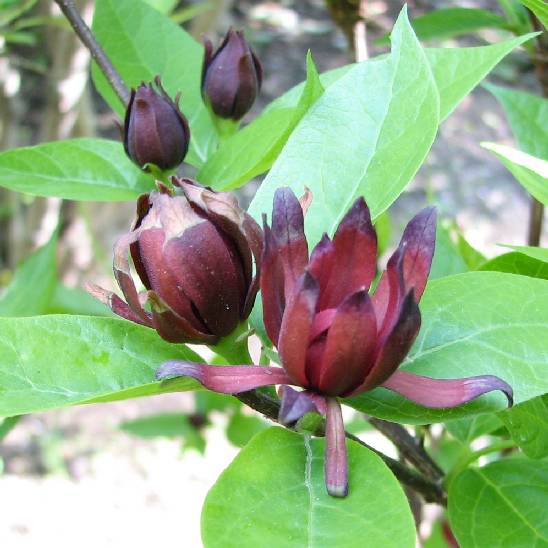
71	12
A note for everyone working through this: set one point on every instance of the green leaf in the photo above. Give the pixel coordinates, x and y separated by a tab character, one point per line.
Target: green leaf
160	47
471	256
8	424
241	428
163	425
458	71
273	494
366	135
517	263
539	8
54	361
75	169
530	171
73	300
254	149
163	6
450	22
468	429
528	426
528	118
502	504
33	283
477	323
539	253
447	259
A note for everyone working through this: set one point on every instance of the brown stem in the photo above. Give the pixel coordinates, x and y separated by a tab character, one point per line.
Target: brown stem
429	490
97	52
540	60
409	447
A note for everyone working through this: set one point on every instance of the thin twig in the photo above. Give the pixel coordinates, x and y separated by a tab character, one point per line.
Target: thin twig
71	12
409	447
431	491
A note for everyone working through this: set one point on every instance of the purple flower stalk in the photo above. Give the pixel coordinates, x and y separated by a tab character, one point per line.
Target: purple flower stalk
193	252
334	338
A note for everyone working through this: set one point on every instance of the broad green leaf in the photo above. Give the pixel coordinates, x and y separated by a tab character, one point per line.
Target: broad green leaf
54	361
458	71
365	136
273	494
528	117
8	424
33	283
477	323
207	401
160	47
530	171
241	428
254	149
74	300
539	253
163	6
517	263
447	259
502	504
74	169
469	428
539	8
528	426
450	22
471	256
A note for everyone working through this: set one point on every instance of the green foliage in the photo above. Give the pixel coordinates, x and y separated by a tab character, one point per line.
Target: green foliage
528	426
538	253
468	429
74	300
476	323
241	428
447	257
141	51
102	359
253	150
33	283
75	169
539	8
273	494
530	171
351	144
502	504
518	263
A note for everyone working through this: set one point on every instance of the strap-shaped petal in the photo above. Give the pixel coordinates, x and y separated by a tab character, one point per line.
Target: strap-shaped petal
288	231
354	252
445	393
296	328
395	347
350	346
336	459
229	379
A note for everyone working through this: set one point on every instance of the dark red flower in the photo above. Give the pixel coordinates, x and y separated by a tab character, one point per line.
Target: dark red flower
194	255
334	339
155	130
231	76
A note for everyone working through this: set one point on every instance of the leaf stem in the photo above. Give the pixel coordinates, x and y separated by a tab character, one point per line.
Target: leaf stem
469	458
87	37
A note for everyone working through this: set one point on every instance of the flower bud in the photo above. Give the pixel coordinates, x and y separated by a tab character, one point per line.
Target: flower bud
155	130
193	252
231	77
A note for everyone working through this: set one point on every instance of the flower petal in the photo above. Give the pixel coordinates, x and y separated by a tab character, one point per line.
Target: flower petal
294	405
296	327
336	459
417	243
395	347
349	347
272	286
355	257
288	230
229	379
442	393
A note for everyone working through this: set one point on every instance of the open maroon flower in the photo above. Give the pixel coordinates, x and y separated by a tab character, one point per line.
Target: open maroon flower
194	255
333	338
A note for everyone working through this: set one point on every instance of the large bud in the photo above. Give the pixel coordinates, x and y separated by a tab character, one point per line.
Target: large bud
193	252
231	77
155	130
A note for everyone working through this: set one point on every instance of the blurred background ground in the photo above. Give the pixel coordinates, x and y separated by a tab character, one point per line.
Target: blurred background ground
71	476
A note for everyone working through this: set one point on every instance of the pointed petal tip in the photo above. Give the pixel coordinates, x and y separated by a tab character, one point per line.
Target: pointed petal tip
339	491
173	369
